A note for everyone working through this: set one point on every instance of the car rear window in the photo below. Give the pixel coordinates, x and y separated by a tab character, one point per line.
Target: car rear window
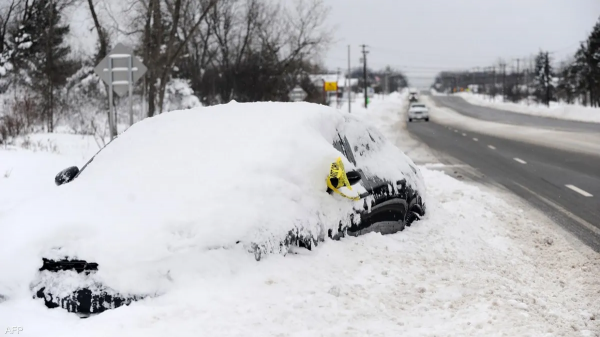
418	106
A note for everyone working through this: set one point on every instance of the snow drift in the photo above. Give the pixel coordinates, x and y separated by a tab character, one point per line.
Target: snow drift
180	184
558	110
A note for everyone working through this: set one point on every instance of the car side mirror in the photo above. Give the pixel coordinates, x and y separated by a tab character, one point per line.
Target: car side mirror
66	175
353	177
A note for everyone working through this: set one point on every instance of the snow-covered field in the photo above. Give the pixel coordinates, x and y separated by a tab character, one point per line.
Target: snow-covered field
558	110
479	264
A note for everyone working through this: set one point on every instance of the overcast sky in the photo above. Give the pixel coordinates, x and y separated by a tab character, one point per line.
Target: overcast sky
421	37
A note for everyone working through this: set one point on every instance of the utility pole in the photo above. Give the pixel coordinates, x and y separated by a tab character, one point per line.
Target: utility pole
547	77
337	91
386	82
518	72
349	85
493	92
503	65
365	52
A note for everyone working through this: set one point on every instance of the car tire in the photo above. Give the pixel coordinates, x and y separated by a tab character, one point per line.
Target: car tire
427	119
410	120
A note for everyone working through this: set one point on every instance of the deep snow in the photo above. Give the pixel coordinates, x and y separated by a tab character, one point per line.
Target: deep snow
184	182
557	110
480	264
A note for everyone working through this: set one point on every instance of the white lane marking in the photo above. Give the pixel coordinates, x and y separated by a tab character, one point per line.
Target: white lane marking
492	147
464	134
520	160
564	211
579	190
455	130
475	139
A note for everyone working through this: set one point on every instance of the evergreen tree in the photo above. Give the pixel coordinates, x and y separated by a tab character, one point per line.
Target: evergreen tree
566	88
543	78
40	55
584	74
592	58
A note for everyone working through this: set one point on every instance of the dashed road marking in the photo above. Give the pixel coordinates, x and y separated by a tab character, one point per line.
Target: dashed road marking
580	191
455	130
520	161
464	134
564	211
475	139
492	147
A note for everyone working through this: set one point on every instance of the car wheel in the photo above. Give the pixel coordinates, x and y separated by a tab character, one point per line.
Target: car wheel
410	120
427	119
416	209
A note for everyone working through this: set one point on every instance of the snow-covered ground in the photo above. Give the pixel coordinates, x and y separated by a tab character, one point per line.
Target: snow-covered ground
558	110
480	264
579	142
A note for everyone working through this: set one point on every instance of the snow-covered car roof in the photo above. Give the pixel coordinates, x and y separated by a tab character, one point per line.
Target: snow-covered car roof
185	182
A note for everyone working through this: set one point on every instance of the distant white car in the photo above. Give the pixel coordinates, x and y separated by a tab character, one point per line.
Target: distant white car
418	111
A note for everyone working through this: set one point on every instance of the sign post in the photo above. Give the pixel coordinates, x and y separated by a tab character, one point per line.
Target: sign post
120	69
297	94
330	86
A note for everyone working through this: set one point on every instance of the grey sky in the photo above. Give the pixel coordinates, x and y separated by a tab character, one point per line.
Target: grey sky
421	37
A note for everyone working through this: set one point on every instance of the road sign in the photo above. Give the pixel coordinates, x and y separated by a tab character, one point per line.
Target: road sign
120	69
297	94
330	86
120	60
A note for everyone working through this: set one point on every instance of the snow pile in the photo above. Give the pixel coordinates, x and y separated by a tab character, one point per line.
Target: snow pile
28	168
177	185
476	266
179	95
579	142
479	264
559	110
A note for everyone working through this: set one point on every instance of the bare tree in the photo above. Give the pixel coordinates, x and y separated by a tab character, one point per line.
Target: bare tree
103	38
163	43
200	50
262	47
233	24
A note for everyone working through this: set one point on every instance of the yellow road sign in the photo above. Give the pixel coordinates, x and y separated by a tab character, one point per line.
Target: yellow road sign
331	86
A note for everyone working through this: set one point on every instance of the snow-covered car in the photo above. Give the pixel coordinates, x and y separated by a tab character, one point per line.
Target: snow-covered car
418	111
261	178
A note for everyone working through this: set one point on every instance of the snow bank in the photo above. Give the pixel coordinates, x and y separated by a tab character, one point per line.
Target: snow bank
476	266
579	142
479	264
28	169
558	110
177	185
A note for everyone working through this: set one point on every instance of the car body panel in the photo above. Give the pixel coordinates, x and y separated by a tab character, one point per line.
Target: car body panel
418	111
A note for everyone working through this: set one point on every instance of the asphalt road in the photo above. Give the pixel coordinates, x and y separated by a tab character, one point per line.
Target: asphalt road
494	115
564	185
